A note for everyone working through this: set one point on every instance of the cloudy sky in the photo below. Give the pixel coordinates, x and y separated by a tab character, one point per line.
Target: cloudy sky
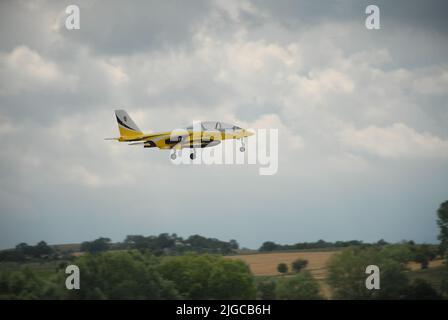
362	118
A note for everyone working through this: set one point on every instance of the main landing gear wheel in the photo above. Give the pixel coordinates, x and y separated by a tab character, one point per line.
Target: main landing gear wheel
193	155
173	156
242	149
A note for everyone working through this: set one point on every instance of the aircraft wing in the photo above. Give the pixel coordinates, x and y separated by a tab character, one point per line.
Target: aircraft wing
151	140
198	143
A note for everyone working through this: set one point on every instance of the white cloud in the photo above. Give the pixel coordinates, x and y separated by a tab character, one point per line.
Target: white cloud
432	81
290	141
234	8
396	142
330	88
6	126
26	70
115	73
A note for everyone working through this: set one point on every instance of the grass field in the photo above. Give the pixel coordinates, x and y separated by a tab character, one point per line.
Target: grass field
265	264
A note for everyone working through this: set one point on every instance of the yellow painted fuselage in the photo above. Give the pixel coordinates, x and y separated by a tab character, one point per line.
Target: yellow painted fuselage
200	135
189	138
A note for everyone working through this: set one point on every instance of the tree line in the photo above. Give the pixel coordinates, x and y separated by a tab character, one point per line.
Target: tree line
163	244
24	252
134	274
143	270
320	244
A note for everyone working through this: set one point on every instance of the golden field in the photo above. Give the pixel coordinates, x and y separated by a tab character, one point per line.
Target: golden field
265	264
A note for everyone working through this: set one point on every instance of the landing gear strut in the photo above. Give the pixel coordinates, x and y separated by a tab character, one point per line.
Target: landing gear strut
242	148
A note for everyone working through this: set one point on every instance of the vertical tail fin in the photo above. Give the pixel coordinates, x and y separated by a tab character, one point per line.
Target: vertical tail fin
126	125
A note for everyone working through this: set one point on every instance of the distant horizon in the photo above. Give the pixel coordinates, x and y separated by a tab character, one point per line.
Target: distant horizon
240	245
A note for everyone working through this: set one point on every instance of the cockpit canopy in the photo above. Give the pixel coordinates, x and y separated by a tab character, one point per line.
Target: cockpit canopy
216	125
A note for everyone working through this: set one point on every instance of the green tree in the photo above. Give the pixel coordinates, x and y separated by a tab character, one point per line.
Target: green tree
208	277
299	264
444	287
346	274
120	275
299	287
96	246
26	284
269	246
282	268
234	244
136	242
442	222
403	252
24	249
232	279
42	249
421	290
166	244
267	289
423	254
11	255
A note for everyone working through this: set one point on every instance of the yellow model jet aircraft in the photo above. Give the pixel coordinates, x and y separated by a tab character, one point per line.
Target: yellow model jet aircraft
210	134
